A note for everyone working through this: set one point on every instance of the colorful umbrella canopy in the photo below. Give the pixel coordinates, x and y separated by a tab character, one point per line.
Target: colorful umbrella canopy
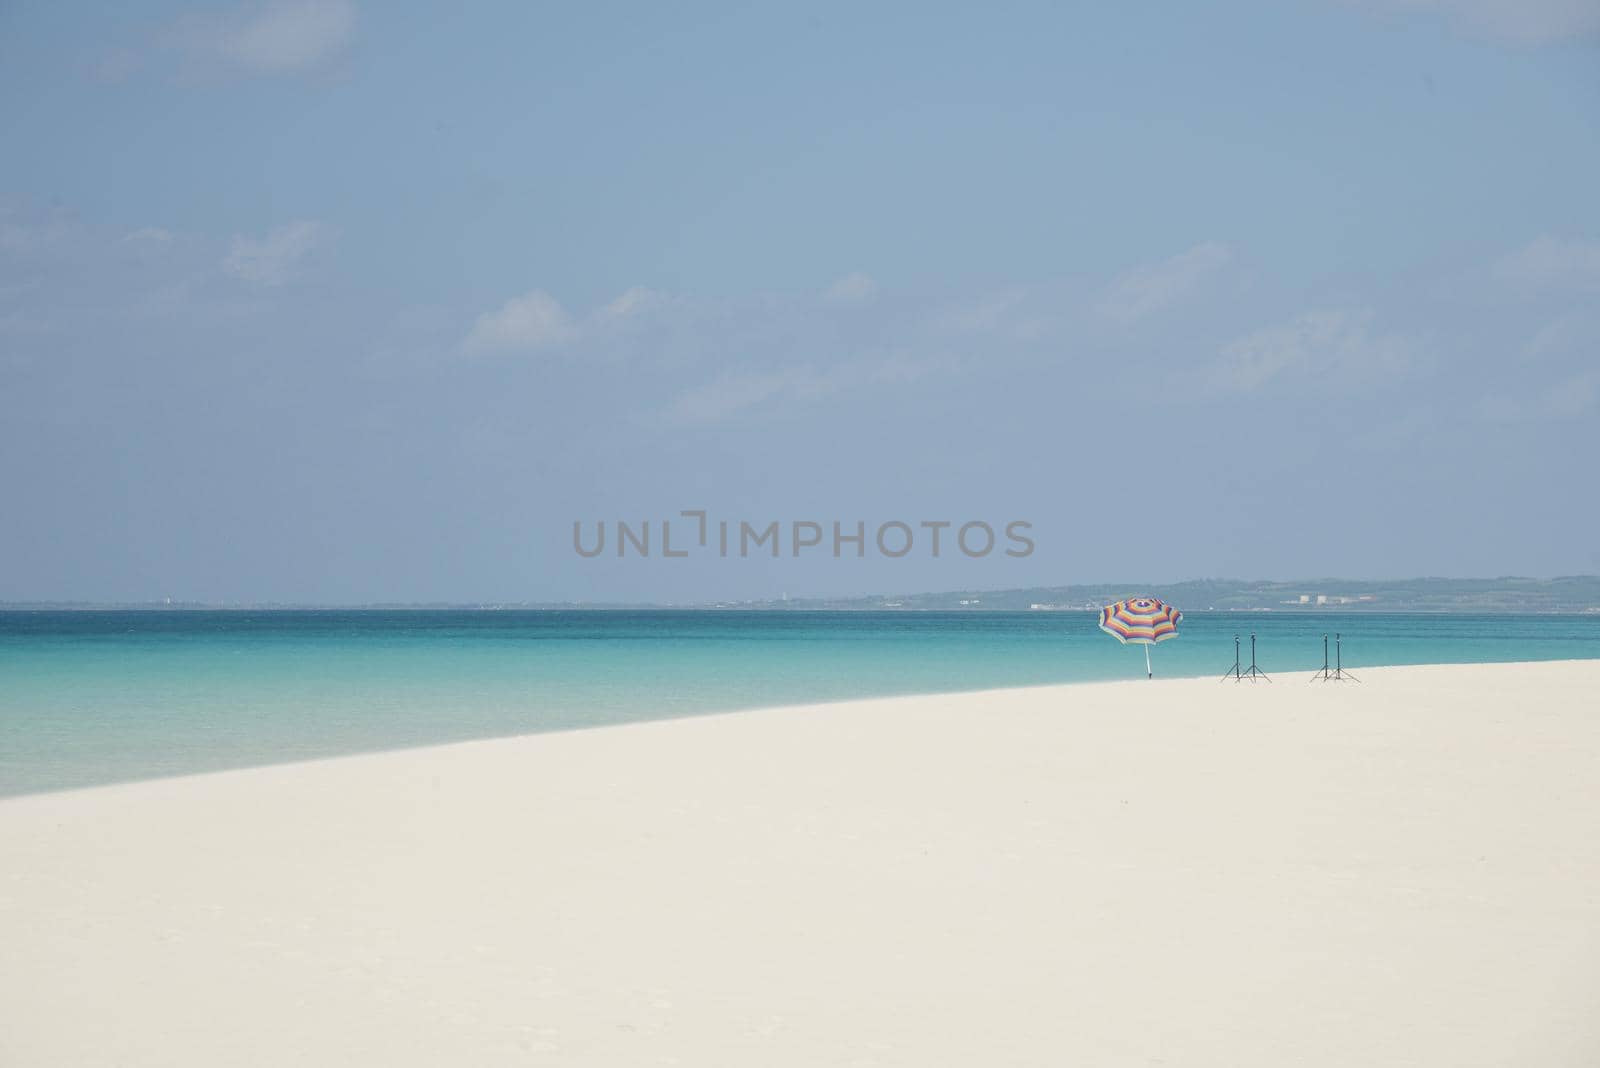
1141	621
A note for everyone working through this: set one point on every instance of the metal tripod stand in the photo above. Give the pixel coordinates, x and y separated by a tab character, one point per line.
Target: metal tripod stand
1252	673
1337	673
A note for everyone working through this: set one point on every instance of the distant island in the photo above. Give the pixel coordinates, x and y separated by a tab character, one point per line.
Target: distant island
1567	594
1574	593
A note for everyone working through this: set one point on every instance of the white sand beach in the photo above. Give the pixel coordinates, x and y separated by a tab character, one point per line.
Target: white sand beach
1400	872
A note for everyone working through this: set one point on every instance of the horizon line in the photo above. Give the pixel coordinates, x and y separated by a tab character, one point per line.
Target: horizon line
499	604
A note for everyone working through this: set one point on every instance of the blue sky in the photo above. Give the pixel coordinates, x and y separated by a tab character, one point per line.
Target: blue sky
338	302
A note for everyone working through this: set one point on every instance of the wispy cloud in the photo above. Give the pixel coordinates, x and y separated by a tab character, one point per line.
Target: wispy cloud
148	236
281	37
732	393
1335	348
1554	262
1524	23
717	358
1154	287
273	259
992	313
534	320
1574	334
1552	376
634	303
853	289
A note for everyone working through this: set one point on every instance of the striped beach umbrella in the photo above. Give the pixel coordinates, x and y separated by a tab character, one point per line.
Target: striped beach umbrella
1141	621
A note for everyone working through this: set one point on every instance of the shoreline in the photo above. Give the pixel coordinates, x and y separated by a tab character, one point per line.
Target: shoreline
1397	871
1300	676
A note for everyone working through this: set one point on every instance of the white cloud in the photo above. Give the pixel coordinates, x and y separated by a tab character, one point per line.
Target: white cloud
534	320
1573	334
271	260
634	302
1333	348
734	392
270	38
853	288
731	393
1554	262
1514	22
1153	287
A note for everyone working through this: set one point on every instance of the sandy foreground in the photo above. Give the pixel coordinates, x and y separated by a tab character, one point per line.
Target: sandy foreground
1402	872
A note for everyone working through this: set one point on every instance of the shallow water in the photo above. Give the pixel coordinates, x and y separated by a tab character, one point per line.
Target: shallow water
98	697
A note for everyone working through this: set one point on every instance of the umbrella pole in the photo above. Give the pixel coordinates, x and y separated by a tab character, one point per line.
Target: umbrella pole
1147	672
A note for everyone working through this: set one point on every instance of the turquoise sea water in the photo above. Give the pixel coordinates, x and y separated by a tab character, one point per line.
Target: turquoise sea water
98	697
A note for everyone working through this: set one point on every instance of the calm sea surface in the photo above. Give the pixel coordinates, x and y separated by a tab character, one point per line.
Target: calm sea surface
99	697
